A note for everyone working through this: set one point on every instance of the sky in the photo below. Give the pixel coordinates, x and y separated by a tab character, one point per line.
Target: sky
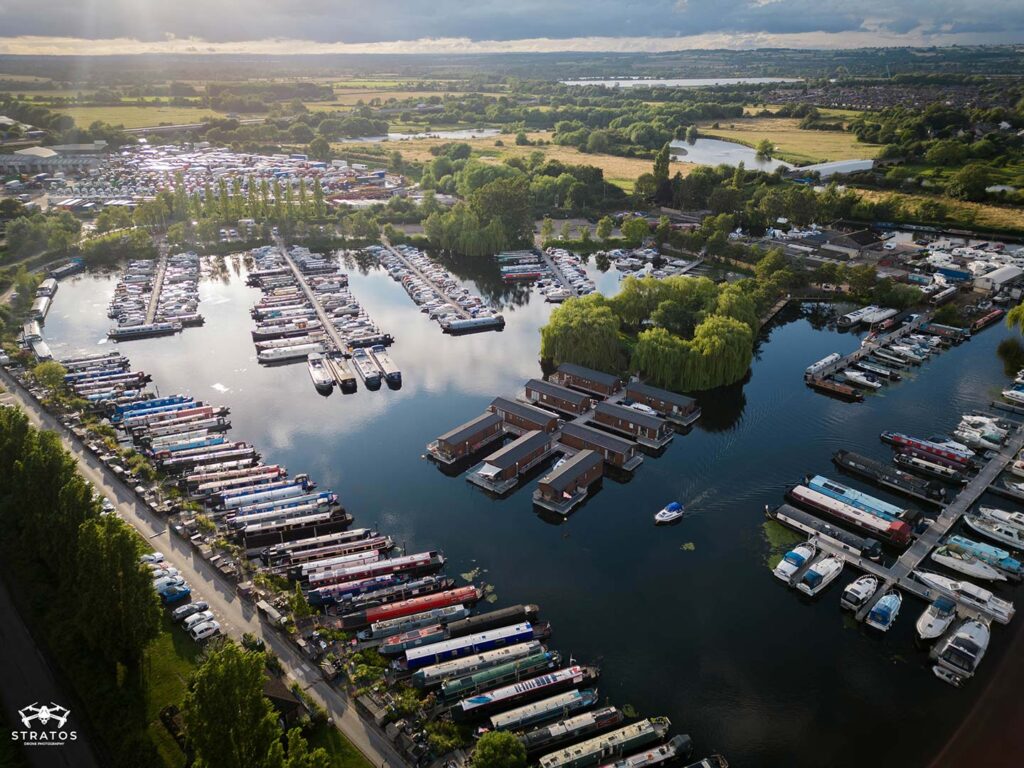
474	26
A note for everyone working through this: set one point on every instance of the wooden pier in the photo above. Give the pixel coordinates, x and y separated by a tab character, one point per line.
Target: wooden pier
158	283
325	319
557	272
901	573
434	286
868	348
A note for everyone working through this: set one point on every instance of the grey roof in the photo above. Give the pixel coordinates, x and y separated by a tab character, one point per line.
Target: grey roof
599	437
538	415
628	414
608	379
662	394
517	449
470	428
556	390
565	476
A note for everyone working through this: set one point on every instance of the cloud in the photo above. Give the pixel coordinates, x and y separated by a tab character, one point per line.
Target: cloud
509	24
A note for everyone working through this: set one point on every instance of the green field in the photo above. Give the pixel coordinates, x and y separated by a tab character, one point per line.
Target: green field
793	144
139	117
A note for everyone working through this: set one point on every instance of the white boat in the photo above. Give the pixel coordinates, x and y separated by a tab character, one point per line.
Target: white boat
820	575
883	614
949	443
1014	396
858	592
984	423
956	559
1017	468
669	513
936	618
862	379
962	653
975	439
1004	534
1013	519
281	354
322	379
794	560
970	594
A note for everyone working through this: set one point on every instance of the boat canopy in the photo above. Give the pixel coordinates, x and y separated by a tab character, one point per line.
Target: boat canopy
944	604
674	506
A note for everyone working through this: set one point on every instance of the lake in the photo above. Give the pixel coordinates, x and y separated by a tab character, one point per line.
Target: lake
718	152
680	82
685	621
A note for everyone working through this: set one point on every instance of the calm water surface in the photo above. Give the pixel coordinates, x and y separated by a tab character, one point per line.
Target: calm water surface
705	635
717	152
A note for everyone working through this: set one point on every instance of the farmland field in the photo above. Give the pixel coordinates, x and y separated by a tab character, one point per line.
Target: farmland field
793	144
139	117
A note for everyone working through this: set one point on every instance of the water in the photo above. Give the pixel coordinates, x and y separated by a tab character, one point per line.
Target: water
717	152
706	636
461	134
680	82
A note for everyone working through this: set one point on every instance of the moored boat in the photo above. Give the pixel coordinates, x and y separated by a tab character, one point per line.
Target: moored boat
794	560
883	614
962	653
964	562
323	381
820	575
936	618
858	592
970	594
994	556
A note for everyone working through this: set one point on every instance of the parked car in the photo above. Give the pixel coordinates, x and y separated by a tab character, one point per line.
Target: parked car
204	630
152	557
184	611
175	593
108	506
198	618
163	582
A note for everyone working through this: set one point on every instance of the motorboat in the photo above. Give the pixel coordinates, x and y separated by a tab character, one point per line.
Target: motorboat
1004	534
883	615
862	379
670	513
970	594
945	441
318	372
975	440
1013	519
1014	395
794	560
1000	558
858	592
960	560
820	575
987	424
961	654
936	618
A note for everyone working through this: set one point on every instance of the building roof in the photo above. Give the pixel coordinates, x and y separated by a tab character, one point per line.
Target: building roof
608	379
505	457
36	152
599	437
629	415
524	411
556	390
470	428
1003	274
563	477
662	394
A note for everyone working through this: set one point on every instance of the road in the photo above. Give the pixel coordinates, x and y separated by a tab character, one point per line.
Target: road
235	615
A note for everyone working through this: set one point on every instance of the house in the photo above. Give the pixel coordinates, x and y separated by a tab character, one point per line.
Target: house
566	486
671	405
466	438
616	451
645	428
586	379
523	416
557	397
500	471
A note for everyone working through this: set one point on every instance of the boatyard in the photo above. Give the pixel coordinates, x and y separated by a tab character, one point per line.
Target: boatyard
156	297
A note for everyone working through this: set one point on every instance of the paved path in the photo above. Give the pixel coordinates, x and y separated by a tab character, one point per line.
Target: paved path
28	679
235	615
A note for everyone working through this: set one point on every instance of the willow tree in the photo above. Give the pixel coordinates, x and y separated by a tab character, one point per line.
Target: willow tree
718	354
583	331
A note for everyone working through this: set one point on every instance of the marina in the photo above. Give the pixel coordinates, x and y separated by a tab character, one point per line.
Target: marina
611	525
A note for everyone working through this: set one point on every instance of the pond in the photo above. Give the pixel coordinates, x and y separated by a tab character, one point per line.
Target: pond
718	152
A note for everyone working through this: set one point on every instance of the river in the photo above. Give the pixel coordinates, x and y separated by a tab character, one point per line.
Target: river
686	621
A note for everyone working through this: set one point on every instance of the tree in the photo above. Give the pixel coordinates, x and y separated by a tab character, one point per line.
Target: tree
969	183
547	229
692	134
300	756
605	227
522	140
119	611
499	749
635	230
661	163
583	331
320	149
50	374
230	724
764	150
